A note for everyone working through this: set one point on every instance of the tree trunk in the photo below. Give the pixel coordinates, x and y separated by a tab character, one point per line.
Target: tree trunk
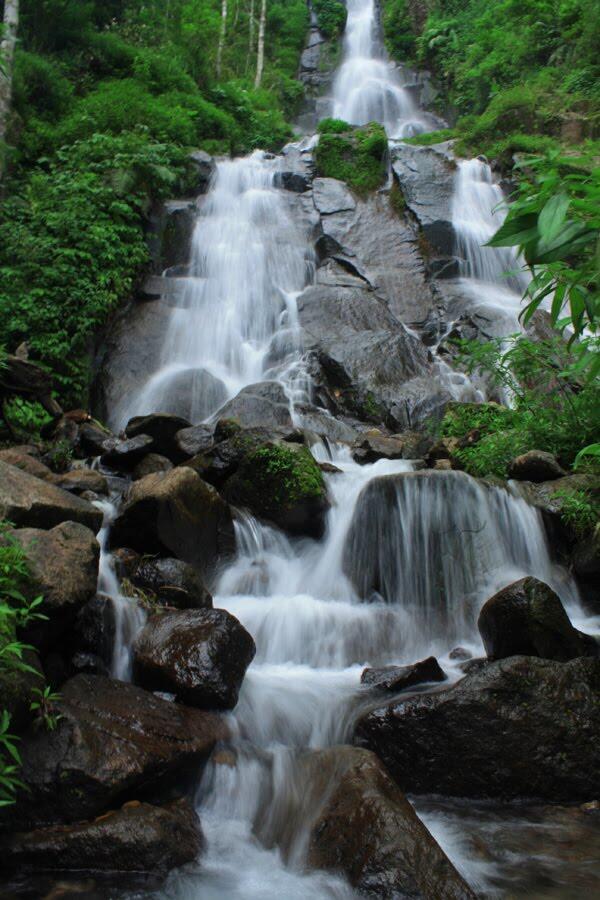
250	34
7	54
260	58
222	36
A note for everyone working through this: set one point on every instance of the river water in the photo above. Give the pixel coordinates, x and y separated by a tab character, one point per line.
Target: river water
425	550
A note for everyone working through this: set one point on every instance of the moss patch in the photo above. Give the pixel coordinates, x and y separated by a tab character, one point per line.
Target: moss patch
357	156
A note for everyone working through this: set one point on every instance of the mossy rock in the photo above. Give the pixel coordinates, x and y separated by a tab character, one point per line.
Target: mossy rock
357	156
281	482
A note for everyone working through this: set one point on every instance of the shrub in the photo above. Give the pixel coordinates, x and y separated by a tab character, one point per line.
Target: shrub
331	17
358	157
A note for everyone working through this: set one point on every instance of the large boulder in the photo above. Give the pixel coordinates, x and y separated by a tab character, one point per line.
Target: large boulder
368	831
91	639
139	838
113	741
171	582
263	405
230	447
80	480
125	454
527	618
27	501
519	727
194	440
282	482
63	569
537	466
27	462
201	656
176	513
373	445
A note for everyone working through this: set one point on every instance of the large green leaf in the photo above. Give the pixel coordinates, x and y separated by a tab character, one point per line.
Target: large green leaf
515	231
552	216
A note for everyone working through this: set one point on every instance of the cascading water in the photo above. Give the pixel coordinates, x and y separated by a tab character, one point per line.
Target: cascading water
233	320
491	276
367	87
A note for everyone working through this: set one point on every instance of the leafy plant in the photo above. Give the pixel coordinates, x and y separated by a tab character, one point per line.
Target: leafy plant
578	510
45	708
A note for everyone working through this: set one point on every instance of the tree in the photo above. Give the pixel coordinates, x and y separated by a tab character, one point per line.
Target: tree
222	35
7	54
260	58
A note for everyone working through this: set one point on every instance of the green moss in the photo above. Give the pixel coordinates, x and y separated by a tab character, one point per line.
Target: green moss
333	126
397	200
357	156
432	137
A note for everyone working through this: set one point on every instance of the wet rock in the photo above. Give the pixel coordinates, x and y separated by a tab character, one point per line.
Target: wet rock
233	445
18	687
513	729
194	440
193	394
459	653
175	229
113	741
398	678
138	838
92	437
292	181
77	481
172	582
549	496
162	428
527	618
204	169
92	636
262	405
28	501
27	463
331	195
63	569
126	561
586	557
151	463
426	178
126	454
282	482
201	656
373	445
535	465
368	831
176	513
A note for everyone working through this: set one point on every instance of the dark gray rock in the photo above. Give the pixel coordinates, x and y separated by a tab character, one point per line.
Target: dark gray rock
151	463
331	196
161	427
399	678
205	168
125	454
194	440
512	729
201	656
527	618
262	405
177	222
80	480
172	582
535	465
373	445
192	394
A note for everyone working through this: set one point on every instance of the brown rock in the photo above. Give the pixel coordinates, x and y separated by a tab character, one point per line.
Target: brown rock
27	463
368	831
29	501
151	463
201	656
77	481
535	465
399	678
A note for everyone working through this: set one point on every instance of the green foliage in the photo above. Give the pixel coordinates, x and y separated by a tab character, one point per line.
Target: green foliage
15	612
72	244
44	708
358	156
551	408
25	416
432	137
331	17
555	223
399	30
333	126
289	475
578	510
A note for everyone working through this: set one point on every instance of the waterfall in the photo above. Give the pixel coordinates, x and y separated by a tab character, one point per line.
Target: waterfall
233	317
492	276
367	87
129	617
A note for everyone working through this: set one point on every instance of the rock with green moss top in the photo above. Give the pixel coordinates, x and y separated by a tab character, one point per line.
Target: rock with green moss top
357	156
281	482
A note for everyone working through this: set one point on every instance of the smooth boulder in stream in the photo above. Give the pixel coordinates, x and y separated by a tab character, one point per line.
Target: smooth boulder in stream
368	831
527	618
518	727
201	656
176	513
